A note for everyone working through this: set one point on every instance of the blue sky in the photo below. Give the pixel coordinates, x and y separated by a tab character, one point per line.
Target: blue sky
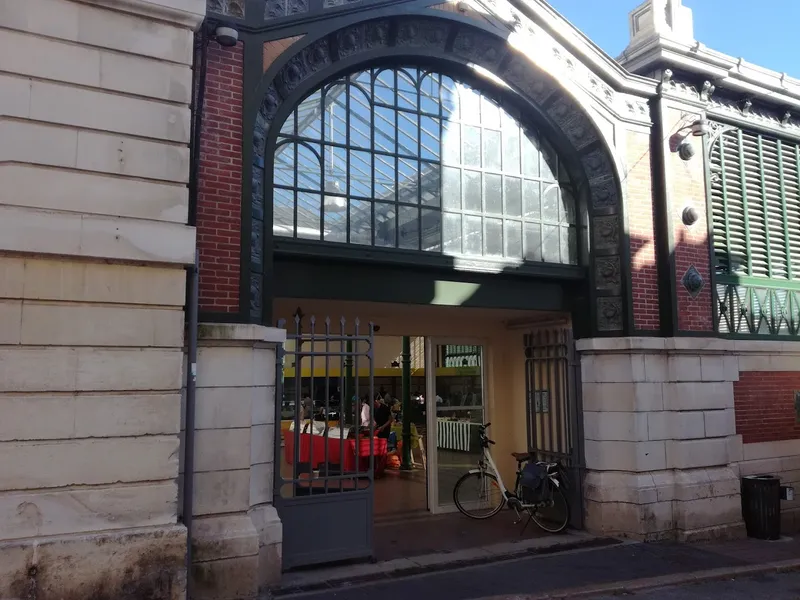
766	33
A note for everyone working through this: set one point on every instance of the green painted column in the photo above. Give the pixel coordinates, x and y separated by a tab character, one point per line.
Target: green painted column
405	362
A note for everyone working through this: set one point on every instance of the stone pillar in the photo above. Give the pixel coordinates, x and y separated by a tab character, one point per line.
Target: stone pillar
660	438
237	533
94	162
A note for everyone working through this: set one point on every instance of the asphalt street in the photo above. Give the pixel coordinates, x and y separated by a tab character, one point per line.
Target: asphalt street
534	575
763	587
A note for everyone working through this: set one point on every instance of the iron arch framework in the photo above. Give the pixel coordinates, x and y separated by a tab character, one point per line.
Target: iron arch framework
454	48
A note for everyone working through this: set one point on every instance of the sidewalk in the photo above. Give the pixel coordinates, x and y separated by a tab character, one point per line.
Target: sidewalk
573	572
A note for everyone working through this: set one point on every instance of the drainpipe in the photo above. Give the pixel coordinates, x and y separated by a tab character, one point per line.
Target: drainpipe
198	94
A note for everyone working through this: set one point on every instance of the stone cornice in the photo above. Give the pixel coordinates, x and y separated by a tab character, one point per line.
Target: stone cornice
186	13
722	70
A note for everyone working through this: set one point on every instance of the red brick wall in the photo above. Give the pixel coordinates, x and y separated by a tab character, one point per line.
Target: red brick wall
639	205
220	181
764	403
686	186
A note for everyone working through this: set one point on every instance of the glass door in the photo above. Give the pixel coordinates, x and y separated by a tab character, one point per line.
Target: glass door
455	403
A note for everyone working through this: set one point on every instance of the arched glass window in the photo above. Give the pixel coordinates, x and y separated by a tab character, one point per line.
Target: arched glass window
411	159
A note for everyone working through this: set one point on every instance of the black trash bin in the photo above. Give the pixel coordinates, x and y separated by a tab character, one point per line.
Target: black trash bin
761	506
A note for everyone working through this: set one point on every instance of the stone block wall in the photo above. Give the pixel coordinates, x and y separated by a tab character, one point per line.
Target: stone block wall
663	454
237	534
94	162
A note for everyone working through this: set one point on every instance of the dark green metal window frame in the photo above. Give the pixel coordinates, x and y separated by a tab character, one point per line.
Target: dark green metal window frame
755	242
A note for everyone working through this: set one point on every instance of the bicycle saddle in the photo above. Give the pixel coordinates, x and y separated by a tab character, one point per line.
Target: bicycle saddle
521	456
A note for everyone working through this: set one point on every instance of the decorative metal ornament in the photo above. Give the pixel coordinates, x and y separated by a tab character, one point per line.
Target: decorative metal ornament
693	282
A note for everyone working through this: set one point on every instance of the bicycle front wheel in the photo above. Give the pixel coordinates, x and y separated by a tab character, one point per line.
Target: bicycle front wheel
478	495
554	517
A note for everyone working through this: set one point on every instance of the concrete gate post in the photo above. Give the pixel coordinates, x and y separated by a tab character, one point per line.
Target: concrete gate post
237	534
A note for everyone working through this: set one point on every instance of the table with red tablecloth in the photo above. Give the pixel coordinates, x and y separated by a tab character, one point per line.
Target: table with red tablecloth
309	442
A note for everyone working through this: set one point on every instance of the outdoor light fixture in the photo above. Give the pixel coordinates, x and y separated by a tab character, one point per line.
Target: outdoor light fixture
686	150
226	36
700	127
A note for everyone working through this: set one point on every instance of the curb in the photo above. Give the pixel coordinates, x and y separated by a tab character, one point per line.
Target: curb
589	543
622	588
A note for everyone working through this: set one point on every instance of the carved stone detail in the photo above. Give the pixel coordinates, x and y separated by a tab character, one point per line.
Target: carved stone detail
359	38
337	3
607	273
482	49
609	313
518	73
230	8
572	121
276	9
603	191
426	33
605	232
257	194
308	61
256	295
257	242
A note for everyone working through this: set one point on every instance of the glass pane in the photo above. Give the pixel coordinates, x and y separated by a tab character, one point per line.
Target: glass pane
283	213
360	222
492	157
360	174
451	188
472	191
407	181
459	413
530	157
512	195
430	138
385	130
385	221
551	244
335	119
407	133
309	170
288	124
384	87
472	146
513	239
494	237
409	227
451	144
335	170
384	177
493	194
364	79
490	113
531	200
569	246
549	162
450	99
511	153
430	184
360	119
533	241
309	117
550	203
407	89
335	219
451	233
473	235
431	230
470	105
429	94
308	215
567	206
284	165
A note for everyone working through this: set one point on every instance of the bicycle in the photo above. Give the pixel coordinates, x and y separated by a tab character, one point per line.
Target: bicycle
535	502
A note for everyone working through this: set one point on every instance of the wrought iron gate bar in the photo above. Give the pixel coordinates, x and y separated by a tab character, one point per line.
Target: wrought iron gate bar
331	500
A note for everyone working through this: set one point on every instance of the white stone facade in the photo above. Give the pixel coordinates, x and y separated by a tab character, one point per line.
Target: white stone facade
94	162
663	458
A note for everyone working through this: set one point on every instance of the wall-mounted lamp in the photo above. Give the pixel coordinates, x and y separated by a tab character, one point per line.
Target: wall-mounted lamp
689	216
226	36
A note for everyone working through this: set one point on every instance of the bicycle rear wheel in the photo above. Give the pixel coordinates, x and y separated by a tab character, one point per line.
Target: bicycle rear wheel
478	495
553	518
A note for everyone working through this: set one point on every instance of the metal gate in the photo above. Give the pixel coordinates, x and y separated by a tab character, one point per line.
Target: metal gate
555	416
324	458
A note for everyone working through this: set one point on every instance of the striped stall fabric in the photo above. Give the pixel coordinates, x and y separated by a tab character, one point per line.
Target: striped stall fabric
457	435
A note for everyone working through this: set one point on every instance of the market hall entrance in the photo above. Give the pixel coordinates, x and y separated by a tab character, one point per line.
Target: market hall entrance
389	508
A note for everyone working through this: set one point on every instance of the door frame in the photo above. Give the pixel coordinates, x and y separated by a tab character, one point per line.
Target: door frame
432	441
